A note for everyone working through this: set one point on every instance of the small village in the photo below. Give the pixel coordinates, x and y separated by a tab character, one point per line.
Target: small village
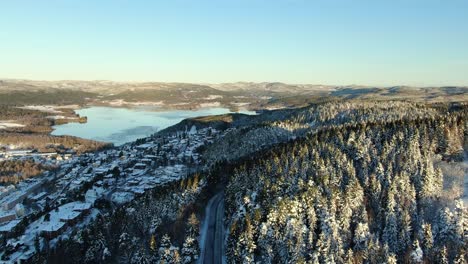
44	209
49	158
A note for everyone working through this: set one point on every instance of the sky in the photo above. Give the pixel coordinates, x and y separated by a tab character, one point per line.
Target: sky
334	42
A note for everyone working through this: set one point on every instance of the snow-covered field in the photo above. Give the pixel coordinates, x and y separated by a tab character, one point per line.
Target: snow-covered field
55	109
213	96
120	102
206	105
57	117
240	104
71	106
43	108
274	108
9	124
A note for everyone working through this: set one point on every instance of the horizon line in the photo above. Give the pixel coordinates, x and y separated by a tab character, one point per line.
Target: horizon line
231	82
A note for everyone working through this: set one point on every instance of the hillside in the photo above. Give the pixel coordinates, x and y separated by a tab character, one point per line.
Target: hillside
349	182
255	96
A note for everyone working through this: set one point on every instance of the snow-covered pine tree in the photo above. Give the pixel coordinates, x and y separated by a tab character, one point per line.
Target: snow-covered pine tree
416	253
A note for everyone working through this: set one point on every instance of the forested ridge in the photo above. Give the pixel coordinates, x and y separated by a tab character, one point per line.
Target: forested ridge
43	97
273	127
13	171
363	192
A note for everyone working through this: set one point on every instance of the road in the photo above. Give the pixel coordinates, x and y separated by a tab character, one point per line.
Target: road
212	238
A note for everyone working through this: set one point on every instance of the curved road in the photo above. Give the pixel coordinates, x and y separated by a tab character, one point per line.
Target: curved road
212	237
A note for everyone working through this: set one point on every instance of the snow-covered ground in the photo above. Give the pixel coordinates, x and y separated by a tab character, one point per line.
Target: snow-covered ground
241	104
213	97
465	182
70	106
43	108
213	104
9	124
57	117
122	197
121	102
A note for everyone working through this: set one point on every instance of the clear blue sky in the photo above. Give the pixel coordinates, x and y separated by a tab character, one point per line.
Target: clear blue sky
374	42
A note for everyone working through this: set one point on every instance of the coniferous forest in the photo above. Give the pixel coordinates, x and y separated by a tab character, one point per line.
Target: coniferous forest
361	193
339	182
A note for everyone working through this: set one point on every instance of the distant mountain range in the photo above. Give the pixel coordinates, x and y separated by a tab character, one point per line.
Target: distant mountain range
188	95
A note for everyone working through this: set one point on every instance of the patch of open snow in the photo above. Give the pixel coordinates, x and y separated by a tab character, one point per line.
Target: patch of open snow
213	104
43	108
193	130
122	197
240	104
118	102
121	102
274	107
71	106
57	117
213	96
144	103
8	124
180	103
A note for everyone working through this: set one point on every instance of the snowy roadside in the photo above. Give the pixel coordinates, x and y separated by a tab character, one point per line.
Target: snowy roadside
465	182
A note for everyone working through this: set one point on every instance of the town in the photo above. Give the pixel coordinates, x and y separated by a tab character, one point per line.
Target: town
43	209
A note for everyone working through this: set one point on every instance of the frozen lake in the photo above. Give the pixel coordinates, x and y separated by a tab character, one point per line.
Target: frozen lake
122	125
